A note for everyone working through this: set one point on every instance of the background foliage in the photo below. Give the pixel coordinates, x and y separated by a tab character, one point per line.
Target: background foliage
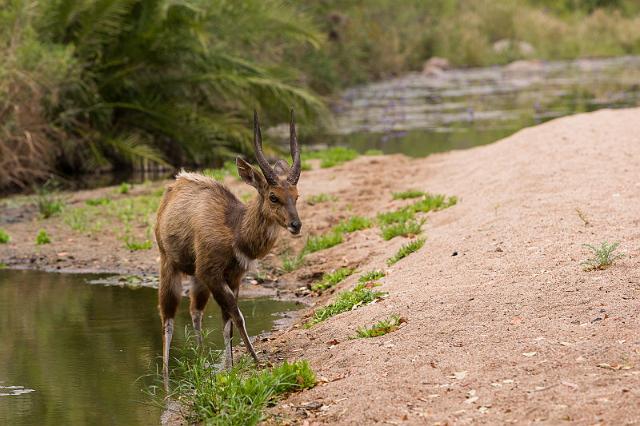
90	85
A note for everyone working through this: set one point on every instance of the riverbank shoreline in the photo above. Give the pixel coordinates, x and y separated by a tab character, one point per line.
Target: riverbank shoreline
502	322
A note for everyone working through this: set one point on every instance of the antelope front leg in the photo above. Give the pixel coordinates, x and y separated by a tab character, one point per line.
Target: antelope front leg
228	337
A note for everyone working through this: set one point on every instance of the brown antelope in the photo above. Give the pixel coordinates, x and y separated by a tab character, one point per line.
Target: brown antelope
204	231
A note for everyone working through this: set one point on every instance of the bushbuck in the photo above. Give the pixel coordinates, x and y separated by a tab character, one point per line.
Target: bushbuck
204	231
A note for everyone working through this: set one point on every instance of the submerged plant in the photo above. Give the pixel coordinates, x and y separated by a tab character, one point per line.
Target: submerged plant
332	279
406	250
362	294
603	256
380	328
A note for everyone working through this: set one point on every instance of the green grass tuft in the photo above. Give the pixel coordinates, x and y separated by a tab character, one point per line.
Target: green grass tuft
331	157
124	188
405	195
321	242
332	279
321	198
235	397
371	276
42	237
405	229
346	301
406	250
215	174
380	328
132	245
373	152
48	201
291	263
4	237
354	223
433	203
398	216
98	201
603	256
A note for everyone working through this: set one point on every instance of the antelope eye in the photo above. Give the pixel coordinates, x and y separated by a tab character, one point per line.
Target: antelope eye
273	198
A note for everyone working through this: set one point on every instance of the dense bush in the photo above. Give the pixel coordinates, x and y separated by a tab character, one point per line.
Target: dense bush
89	84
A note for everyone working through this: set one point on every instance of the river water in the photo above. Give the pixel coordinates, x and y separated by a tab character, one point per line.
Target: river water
78	353
419	114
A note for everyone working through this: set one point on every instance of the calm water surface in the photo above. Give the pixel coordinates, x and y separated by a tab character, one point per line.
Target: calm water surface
75	353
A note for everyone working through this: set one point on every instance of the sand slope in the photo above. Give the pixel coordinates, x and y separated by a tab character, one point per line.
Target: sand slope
516	287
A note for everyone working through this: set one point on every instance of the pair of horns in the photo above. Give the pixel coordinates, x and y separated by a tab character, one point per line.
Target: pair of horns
266	168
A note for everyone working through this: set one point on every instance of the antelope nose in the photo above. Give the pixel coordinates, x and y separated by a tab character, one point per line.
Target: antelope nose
294	226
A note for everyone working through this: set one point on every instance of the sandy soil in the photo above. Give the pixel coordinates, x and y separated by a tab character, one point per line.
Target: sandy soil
511	329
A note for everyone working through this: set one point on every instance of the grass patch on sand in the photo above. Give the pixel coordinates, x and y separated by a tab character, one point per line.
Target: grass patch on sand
102	201
333	156
331	279
433	203
410	193
397	216
4	236
361	295
354	223
404	229
124	188
291	263
42	237
321	198
380	328
322	242
48	200
603	256
371	276
235	397
406	250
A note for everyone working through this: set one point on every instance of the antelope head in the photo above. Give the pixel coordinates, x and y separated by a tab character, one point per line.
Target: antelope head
276	185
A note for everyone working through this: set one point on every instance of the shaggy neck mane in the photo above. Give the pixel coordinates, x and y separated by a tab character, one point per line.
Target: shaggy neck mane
257	233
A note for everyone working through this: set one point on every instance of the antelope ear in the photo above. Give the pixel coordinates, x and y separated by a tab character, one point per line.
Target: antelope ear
250	175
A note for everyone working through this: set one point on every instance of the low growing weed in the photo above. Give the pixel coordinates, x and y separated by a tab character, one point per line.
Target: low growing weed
320	198
42	237
4	236
48	200
235	397
324	241
405	229
331	157
410	193
406	250
332	279
124	188
603	256
362	294
371	276
354	223
291	263
380	328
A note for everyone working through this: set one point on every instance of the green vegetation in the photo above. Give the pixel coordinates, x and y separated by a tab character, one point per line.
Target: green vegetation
373	152
324	241
137	245
48	200
406	250
235	397
98	201
291	263
42	237
332	279
94	84
404	229
410	193
124	188
333	156
380	328
4	237
321	198
371	276
354	223
399	216
228	169
433	203
603	256
361	295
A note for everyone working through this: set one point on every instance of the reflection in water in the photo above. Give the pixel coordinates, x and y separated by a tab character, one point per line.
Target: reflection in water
84	349
420	114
